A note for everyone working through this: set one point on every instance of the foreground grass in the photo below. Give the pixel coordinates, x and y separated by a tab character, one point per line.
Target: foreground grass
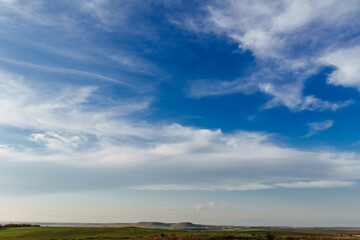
82	233
46	233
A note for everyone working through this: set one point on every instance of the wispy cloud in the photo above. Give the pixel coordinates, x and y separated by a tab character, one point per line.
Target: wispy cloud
317	184
202	207
55	141
137	64
204	187
199	207
274	32
291	97
132	153
62	70
67	31
118	17
249	187
139	155
316	127
67	111
195	158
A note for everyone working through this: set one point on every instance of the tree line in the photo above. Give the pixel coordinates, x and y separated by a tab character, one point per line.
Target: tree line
19	225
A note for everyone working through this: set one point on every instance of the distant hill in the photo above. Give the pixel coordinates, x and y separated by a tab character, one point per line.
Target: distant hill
186	225
152	224
180	225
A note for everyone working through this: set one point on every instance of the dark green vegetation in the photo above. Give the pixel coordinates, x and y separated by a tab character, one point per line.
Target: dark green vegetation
19	225
77	233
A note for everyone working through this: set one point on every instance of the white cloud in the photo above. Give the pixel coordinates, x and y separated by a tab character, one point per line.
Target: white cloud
69	32
182	158
55	141
347	67
102	12
287	38
139	155
202	88
249	187
22	15
62	70
204	187
202	207
317	184
199	207
269	29
313	103
66	111
136	64
316	127
8	1
115	16
291	97
147	156
273	31
321	126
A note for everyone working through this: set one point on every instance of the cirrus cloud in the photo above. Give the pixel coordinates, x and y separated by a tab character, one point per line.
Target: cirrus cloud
153	157
291	41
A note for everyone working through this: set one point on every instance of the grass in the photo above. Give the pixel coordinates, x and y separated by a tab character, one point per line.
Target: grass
87	233
46	233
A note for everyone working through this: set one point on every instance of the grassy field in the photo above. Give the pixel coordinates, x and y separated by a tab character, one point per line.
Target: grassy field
77	233
42	233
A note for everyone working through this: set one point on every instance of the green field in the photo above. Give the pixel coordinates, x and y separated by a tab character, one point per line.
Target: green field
42	233
82	233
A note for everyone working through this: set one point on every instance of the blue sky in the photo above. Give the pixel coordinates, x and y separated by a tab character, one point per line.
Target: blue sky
219	112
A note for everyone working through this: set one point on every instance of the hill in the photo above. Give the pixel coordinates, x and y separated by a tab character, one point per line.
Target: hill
186	225
152	224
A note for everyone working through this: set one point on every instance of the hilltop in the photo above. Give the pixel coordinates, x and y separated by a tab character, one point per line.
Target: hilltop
152	224
186	225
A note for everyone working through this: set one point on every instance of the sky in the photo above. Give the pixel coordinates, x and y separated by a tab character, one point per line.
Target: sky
214	112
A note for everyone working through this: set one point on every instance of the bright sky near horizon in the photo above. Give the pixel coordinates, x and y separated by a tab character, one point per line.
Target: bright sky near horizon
219	112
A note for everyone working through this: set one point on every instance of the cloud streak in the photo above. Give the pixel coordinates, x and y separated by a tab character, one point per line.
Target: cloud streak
153	157
62	70
108	147
202	207
317	184
316	127
274	32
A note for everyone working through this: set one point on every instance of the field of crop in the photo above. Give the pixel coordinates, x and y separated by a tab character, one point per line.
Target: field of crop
77	233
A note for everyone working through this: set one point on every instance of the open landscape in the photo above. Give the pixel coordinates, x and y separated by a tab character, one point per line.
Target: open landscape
163	231
179	119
